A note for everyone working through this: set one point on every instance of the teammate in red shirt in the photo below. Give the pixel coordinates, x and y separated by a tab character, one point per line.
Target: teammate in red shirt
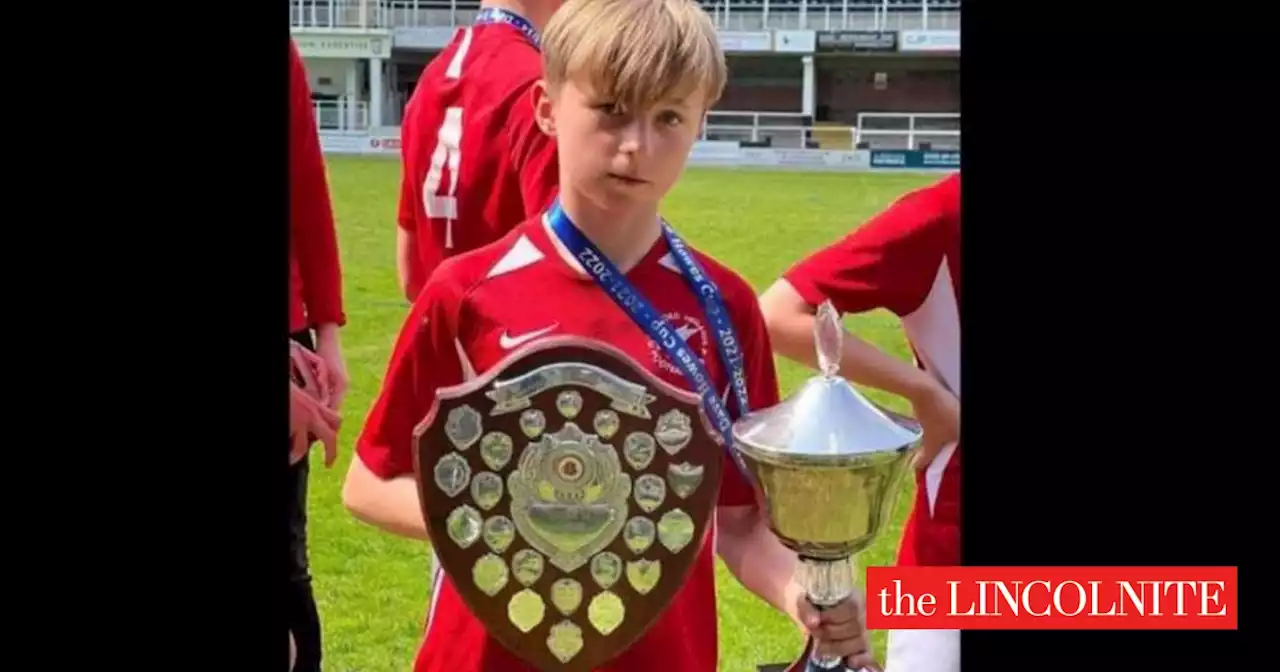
906	260
315	307
315	271
628	83
474	163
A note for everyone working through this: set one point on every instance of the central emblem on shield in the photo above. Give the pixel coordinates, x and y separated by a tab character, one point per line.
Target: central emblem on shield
569	496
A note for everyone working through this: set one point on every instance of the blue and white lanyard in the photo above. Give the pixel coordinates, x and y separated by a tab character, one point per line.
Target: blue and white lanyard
728	347
489	15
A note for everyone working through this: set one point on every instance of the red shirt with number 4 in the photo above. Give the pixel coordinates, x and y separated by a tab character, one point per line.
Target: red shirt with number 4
474	162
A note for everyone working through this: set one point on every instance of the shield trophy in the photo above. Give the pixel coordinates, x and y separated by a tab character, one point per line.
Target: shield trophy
567	492
826	463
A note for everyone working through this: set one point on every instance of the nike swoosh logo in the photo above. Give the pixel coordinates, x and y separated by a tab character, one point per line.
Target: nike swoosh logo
508	342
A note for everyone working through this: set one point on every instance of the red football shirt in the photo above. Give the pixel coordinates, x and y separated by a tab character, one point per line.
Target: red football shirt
479	307
474	162
907	260
315	273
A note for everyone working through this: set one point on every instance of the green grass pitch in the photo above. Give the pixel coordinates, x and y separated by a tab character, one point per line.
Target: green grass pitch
372	587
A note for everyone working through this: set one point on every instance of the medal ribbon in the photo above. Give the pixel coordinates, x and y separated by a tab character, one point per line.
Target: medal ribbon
490	15
728	347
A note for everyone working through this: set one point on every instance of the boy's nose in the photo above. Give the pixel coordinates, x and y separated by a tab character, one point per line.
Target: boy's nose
634	137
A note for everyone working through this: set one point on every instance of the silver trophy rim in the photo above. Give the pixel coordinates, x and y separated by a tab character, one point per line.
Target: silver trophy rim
783	457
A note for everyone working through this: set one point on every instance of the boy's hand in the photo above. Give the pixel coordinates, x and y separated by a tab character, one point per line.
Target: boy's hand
310	372
329	348
938	411
839	631
308	418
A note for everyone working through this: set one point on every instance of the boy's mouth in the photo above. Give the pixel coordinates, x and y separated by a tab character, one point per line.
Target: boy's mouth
625	179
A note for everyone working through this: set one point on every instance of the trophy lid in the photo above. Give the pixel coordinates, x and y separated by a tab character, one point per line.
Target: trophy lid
827	421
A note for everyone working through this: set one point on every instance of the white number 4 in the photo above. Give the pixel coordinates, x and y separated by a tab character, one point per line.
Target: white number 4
448	141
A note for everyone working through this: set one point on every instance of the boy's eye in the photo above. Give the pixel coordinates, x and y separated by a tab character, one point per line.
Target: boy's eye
670	119
612	109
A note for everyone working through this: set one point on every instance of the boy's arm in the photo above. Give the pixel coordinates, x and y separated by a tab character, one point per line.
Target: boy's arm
791	321
409	265
755	557
311	213
392	505
534	156
380	488
416	258
407	271
410	276
890	263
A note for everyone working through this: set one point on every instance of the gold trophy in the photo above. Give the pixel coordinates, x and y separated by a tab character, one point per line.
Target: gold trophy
826	463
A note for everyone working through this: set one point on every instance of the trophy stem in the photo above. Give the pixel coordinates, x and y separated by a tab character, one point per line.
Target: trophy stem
826	583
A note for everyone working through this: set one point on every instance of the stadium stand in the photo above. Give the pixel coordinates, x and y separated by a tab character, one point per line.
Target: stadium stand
857	84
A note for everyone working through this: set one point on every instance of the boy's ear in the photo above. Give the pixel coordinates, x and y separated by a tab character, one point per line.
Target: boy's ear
543	113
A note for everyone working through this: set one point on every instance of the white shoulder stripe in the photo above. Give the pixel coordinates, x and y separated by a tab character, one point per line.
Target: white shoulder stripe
523	253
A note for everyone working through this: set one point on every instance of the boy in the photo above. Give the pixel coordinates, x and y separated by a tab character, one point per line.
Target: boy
473	161
315	307
906	260
627	83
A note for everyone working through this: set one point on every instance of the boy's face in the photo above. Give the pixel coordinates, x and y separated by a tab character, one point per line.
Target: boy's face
617	156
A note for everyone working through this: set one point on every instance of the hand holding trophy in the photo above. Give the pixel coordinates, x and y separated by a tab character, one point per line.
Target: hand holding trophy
826	463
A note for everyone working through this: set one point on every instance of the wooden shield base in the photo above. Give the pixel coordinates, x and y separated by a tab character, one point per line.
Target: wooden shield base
458	410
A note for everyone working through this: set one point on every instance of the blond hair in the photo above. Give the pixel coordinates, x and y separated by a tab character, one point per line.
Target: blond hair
635	52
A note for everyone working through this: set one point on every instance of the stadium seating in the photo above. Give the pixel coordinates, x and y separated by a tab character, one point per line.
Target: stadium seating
833	14
728	14
765	95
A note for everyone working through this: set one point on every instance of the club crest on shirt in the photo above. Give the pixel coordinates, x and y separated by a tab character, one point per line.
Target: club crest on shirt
694	333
